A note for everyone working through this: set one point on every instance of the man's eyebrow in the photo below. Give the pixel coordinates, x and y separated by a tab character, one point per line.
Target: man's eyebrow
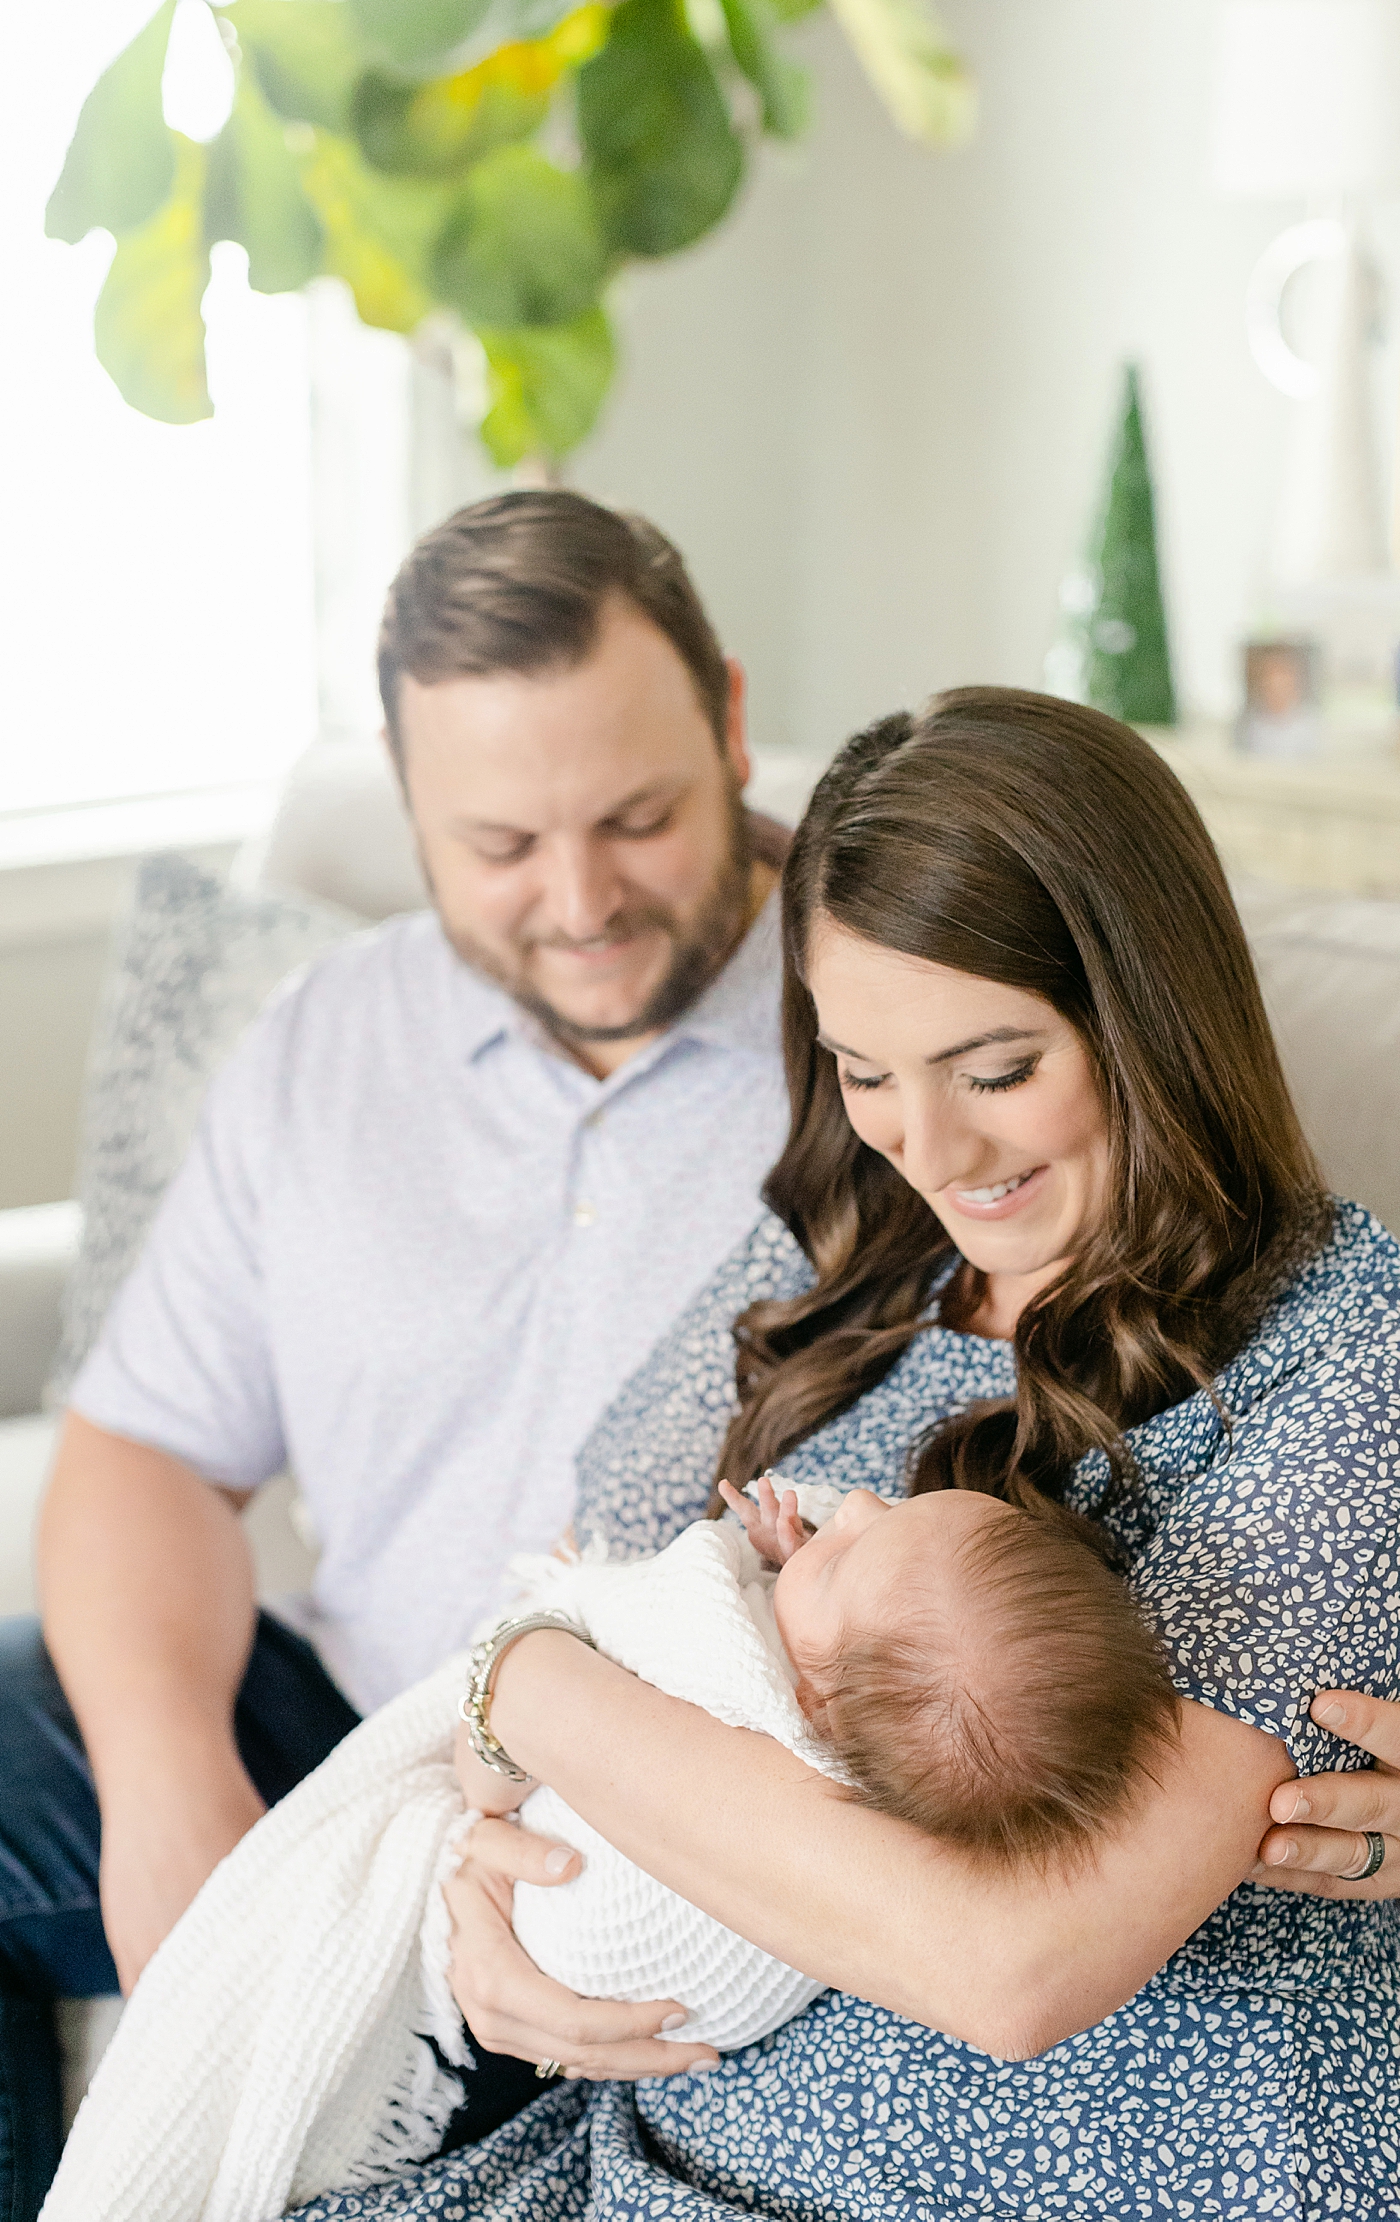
942	1056
654	791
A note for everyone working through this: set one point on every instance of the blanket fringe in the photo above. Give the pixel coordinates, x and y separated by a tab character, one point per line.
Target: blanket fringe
412	2118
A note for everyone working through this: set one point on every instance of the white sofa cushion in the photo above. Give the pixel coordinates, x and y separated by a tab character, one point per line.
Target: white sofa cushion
341	834
38	1244
1329	967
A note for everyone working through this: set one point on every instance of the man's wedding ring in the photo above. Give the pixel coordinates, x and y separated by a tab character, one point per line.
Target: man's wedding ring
1375	1859
548	2068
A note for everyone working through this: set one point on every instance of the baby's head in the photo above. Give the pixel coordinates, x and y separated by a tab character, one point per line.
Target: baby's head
977	1669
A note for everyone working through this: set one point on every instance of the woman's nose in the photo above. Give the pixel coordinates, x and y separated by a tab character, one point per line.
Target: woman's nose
936	1151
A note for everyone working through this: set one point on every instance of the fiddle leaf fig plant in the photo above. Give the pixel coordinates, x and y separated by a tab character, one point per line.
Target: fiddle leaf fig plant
494	162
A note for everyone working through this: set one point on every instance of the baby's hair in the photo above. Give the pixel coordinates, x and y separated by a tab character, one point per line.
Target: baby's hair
1020	1732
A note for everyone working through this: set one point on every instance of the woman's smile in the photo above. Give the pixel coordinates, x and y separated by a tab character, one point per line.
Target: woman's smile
1002	1198
981	1095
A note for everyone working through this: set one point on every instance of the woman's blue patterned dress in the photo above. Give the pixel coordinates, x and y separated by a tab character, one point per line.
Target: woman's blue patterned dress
1258	2074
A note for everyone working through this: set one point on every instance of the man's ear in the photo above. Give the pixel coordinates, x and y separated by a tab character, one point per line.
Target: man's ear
736	738
395	756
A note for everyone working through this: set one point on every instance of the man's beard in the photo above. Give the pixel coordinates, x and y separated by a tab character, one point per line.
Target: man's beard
697	953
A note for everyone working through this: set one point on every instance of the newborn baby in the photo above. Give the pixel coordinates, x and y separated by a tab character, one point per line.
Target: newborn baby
971	1668
976	1669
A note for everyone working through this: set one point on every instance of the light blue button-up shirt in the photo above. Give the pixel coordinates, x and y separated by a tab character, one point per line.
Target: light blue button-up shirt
415	1250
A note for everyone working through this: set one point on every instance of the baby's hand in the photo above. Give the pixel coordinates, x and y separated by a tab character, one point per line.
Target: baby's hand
775	1530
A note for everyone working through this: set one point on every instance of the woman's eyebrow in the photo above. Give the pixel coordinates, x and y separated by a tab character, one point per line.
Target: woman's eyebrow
940	1057
983	1041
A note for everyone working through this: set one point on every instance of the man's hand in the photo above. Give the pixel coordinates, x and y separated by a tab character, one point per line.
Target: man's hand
147	1591
160	1842
775	1530
1321	1822
511	2007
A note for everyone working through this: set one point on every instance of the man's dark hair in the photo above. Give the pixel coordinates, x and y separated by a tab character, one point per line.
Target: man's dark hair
518	583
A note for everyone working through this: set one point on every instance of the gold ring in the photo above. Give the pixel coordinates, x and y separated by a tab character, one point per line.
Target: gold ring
548	2068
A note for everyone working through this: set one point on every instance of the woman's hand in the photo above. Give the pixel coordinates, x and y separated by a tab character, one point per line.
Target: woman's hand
511	2007
1336	1811
775	1530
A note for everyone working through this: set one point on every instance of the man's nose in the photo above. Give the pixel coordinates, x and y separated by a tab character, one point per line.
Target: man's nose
583	890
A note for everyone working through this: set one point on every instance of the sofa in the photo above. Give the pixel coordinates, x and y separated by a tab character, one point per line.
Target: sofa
196	958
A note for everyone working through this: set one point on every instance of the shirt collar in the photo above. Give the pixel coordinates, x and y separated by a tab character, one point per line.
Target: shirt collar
740	1009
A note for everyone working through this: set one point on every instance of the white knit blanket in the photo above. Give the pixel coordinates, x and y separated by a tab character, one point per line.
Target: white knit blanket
274	2049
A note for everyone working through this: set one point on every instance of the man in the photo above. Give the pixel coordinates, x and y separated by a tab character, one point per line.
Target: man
443	1199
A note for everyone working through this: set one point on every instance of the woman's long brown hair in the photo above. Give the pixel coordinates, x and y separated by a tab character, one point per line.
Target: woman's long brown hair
1033	842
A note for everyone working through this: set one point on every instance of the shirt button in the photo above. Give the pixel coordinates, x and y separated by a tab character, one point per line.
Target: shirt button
594	1119
584	1215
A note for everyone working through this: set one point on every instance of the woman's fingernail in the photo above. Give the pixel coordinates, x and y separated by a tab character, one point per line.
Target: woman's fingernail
556	1861
675	2021
703	2067
1300	1810
1286	1851
1331	1715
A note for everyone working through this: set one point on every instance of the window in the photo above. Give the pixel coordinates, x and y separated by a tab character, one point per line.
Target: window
157	615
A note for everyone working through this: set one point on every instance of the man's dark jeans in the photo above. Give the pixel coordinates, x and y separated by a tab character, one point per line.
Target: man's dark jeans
289	1716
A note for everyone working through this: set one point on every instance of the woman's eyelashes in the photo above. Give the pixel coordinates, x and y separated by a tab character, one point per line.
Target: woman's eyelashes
991	1085
1002	1081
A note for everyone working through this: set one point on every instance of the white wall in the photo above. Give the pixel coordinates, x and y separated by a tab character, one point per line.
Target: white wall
875	409
874	412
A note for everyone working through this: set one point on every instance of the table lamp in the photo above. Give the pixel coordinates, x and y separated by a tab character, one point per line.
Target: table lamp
1307	108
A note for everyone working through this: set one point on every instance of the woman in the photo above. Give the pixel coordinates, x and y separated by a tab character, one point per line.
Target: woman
1045	1226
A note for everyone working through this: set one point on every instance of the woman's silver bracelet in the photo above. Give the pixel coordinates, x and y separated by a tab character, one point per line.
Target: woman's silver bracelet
475	1702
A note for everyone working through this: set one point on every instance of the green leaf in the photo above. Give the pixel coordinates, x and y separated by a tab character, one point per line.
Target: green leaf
510	22
792	11
147	323
546	387
411	35
378	232
781	85
120	162
440	128
305	55
665	158
253	194
437	130
522	245
905	53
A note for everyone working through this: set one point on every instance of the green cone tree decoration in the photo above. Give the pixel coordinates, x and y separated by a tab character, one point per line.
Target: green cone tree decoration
1112	649
493	163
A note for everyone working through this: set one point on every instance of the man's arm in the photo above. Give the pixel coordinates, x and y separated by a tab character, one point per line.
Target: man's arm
146	1588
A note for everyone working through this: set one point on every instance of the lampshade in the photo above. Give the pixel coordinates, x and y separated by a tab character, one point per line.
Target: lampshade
1307	97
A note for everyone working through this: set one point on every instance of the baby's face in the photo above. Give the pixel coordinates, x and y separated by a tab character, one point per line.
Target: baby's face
845	1580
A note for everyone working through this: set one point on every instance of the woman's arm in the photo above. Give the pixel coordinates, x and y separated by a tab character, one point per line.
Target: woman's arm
1009	1962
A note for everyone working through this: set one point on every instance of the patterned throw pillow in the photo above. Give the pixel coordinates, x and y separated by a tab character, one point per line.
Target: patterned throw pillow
193	965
